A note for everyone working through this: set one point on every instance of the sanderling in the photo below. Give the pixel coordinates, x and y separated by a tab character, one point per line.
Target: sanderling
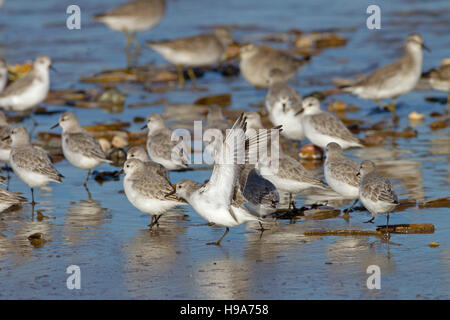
172	155
5	142
289	175
284	104
257	62
31	164
395	79
140	154
195	51
8	199
341	173
134	16
3	74
148	191
321	127
254	120
439	79
30	90
257	194
375	191
213	200
290	168
261	195
79	146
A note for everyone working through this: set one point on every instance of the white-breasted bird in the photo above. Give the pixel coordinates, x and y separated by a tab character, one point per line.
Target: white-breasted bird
376	191
321	127
31	164
28	91
80	147
395	79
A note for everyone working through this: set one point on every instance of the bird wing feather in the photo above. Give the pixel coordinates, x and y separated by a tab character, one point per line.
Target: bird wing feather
327	124
86	144
35	160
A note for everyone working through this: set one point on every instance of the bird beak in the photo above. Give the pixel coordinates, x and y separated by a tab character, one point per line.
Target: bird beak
170	193
53	69
426	48
6	138
144	127
358	174
118	173
298	112
53	127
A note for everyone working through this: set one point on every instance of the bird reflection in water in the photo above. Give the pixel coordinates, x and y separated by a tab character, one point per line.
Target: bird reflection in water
84	219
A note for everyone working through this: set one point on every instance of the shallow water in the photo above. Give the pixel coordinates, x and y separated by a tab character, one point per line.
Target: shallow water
107	237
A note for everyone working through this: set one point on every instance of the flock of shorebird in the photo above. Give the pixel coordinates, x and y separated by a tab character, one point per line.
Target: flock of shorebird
236	193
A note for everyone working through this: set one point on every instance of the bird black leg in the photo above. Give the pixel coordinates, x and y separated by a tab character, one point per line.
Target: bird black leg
370	220
87	178
261	228
388	235
88	192
152	221
221	238
291	203
32	197
347	211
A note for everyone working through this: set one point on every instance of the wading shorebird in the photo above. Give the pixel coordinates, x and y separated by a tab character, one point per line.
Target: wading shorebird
395	79
195	51
147	190
134	16
284	104
80	147
341	173
213	200
439	79
376	192
257	62
31	164
28	91
161	148
321	127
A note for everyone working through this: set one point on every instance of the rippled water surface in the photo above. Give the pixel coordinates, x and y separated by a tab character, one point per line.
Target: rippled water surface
107	237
